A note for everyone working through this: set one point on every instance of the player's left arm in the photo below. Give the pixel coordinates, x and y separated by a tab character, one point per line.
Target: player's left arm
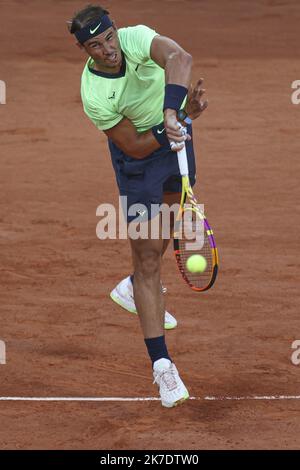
177	64
168	55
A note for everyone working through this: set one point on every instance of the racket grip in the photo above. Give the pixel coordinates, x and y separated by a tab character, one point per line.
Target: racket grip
182	156
182	162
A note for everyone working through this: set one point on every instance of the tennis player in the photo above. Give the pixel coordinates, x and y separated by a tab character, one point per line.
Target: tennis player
134	87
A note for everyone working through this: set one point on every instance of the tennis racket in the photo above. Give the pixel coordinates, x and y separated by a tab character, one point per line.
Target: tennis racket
193	235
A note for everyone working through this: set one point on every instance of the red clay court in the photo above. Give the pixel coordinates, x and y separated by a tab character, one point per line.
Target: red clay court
63	334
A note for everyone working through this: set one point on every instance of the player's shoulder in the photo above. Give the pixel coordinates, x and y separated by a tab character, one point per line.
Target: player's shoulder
86	82
136	41
134	30
131	33
89	93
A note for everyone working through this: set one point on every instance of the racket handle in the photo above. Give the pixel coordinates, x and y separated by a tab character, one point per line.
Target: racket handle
182	157
182	162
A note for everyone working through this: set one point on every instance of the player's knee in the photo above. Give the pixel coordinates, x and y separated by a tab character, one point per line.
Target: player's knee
147	263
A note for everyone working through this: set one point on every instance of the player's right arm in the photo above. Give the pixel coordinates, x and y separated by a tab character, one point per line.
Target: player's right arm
136	145
141	144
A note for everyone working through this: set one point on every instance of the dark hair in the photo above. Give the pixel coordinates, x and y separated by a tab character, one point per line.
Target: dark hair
86	16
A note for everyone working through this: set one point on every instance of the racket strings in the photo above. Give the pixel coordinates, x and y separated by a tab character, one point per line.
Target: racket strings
194	239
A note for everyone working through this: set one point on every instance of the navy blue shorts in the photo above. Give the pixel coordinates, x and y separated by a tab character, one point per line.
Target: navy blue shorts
145	181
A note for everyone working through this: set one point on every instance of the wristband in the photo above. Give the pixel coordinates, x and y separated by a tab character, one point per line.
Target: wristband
174	96
160	135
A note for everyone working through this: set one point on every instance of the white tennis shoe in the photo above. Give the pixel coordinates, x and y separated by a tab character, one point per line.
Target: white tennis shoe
171	388
122	294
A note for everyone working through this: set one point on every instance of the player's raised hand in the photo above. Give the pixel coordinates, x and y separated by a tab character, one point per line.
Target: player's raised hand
195	105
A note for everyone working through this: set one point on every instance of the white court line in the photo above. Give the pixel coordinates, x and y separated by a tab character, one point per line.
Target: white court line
124	399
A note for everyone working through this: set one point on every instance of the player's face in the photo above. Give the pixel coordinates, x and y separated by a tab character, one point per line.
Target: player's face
105	49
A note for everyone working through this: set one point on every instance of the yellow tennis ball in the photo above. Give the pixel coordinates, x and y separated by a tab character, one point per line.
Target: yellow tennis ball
196	264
